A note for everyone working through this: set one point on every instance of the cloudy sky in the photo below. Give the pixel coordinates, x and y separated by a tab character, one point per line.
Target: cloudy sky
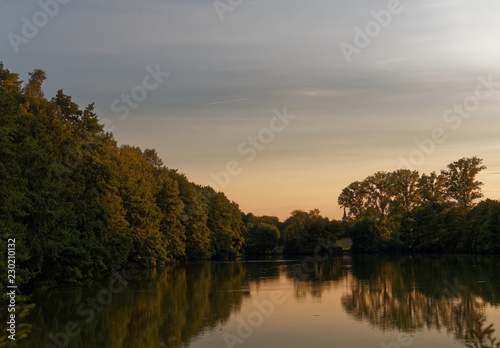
363	83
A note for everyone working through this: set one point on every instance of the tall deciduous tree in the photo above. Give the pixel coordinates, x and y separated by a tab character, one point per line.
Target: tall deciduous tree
431	189
379	193
170	205
137	188
34	86
404	189
353	198
194	218
225	223
461	183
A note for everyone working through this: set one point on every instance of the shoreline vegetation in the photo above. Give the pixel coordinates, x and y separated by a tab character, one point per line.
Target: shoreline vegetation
403	211
80	206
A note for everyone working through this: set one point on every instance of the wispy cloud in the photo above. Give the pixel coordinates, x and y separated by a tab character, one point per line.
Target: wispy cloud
227	101
227	77
389	64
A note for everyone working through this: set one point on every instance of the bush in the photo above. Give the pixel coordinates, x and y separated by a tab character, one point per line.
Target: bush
262	238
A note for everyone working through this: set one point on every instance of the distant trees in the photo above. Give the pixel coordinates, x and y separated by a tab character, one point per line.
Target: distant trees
366	235
485	223
404	190
263	234
379	193
405	211
303	232
262	238
309	232
354	199
383	193
432	188
461	183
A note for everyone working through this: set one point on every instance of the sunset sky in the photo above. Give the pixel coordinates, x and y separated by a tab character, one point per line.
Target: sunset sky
425	68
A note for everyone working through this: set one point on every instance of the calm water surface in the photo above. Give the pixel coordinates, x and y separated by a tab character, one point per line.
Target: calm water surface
358	301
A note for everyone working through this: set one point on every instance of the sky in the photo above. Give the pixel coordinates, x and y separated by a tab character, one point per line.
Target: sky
280	104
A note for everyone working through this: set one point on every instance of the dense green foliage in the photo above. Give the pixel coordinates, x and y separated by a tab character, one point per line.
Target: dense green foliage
79	205
430	213
262	238
310	233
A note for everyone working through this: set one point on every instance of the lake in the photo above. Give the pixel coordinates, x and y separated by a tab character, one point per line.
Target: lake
349	301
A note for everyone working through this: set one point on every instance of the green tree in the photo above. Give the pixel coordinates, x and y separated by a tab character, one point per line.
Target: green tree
353	198
379	193
461	183
171	207
421	228
34	86
366	235
119	236
308	233
404	189
194	218
261	238
453	230
225	224
137	189
432	188
485	229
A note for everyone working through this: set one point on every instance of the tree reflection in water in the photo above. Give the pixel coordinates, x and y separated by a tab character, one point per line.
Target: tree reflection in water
172	307
412	294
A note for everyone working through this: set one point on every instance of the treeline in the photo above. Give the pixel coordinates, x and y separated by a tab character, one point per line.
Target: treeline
303	233
406	211
79	205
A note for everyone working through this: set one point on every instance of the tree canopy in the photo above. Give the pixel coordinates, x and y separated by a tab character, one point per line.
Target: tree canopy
79	205
404	210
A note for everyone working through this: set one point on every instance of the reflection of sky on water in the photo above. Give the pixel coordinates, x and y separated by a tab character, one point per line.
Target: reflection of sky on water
362	301
334	308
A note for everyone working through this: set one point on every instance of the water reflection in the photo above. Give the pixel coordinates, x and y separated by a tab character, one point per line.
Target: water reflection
314	278
413	293
177	305
162	308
